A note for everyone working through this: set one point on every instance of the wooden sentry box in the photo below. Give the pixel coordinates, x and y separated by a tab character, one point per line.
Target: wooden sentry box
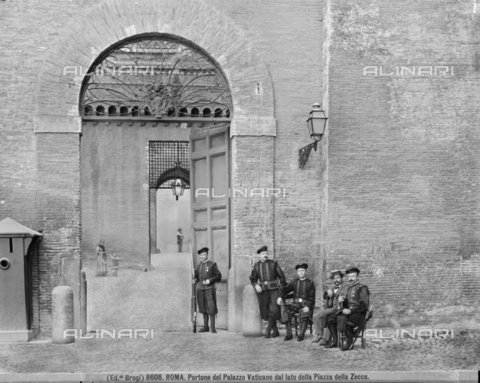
15	281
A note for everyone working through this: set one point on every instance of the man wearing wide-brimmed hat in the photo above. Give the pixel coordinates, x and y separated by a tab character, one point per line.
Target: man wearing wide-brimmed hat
267	278
331	296
356	302
303	301
206	275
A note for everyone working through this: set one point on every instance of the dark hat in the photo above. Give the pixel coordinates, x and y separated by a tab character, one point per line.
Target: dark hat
263	248
336	272
301	266
203	250
352	270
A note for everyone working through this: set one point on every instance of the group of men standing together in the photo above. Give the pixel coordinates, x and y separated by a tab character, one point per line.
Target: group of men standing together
346	303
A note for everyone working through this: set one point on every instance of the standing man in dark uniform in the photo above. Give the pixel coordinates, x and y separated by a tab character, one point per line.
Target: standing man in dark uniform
206	275
303	301
268	278
356	305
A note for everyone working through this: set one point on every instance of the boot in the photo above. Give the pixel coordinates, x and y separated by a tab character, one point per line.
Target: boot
333	333
349	335
269	328
275	333
288	326
212	320
303	329
323	342
205	327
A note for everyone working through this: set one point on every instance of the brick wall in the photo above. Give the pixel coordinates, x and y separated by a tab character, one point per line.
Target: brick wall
403	164
58	213
287	35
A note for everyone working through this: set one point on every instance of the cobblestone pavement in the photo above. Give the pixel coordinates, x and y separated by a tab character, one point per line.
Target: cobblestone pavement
225	351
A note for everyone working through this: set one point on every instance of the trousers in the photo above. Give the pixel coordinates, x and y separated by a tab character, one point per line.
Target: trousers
267	300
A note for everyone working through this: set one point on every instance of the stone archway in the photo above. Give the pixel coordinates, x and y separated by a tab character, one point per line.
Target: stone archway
58	123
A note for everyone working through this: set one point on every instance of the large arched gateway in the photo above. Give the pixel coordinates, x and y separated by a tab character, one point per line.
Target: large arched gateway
142	101
156	114
208	89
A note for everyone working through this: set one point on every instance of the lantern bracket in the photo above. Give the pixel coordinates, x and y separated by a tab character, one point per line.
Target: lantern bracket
304	153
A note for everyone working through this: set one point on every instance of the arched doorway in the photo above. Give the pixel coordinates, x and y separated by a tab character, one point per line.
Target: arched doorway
147	89
144	102
59	122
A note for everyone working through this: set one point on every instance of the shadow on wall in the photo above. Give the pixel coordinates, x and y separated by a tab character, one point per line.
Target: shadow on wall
172	215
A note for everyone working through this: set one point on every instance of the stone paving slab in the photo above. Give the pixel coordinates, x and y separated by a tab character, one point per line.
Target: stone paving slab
226	351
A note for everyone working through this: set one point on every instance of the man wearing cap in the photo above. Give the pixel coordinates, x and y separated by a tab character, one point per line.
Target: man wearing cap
206	275
267	278
331	296
303	301
356	305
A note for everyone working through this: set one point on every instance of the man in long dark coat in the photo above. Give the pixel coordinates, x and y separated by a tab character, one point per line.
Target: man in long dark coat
303	301
206	275
267	278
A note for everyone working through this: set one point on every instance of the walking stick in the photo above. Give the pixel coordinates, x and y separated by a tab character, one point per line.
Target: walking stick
194	298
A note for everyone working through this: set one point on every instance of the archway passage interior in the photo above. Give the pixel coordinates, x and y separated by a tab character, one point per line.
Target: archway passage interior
146	91
169	178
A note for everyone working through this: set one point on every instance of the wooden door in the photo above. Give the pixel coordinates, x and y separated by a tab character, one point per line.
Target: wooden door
209	191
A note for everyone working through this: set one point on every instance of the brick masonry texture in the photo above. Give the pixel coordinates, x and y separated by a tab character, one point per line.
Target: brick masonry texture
288	36
403	164
58	212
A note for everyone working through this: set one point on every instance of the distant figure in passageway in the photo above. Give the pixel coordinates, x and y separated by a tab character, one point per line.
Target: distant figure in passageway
101	259
206	275
179	240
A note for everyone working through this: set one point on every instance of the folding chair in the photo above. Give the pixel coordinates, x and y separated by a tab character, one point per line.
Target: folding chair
358	331
296	322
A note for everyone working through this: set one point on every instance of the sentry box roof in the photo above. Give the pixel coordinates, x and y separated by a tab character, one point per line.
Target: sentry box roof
11	228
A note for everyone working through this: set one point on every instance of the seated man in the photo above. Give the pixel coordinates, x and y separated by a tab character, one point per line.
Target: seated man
333	305
303	300
356	305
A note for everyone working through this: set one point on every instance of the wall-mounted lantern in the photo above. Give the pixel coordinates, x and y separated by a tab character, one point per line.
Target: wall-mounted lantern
316	124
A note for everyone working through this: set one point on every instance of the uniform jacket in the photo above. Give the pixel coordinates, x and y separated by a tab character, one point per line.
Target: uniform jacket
301	289
357	298
208	270
267	271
